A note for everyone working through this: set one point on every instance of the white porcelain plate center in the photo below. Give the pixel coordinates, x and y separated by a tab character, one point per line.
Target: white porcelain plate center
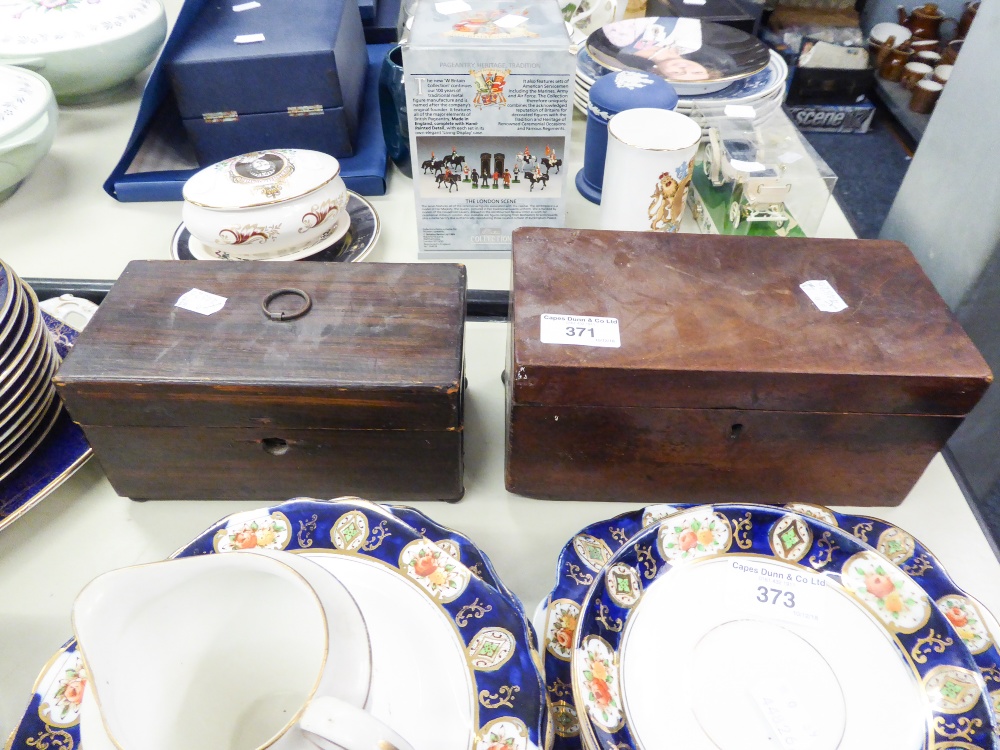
758	655
768	708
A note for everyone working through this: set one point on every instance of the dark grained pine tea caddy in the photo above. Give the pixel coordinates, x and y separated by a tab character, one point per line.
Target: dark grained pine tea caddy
361	395
730	383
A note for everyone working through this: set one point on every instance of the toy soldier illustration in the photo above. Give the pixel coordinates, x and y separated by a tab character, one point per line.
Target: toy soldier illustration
475	180
517	171
538	171
465	172
496	180
506	179
484	167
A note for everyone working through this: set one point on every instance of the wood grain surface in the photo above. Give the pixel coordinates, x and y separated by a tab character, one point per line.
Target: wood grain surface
730	383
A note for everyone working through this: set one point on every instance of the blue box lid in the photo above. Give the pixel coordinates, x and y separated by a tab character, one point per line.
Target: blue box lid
312	53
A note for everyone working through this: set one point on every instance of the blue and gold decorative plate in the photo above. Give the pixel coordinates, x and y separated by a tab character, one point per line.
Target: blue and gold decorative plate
481	642
63	451
927	640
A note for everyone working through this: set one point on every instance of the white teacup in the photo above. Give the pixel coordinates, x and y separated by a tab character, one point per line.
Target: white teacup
240	651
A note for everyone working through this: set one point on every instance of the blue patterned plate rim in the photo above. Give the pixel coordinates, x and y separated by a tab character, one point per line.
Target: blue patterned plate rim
951	688
587	553
509	709
57	457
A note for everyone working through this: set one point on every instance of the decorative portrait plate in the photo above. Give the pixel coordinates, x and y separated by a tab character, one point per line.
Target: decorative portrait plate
696	57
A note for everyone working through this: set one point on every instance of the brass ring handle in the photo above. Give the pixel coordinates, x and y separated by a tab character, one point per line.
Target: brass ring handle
283	314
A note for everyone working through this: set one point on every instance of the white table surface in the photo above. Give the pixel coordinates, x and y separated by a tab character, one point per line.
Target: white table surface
62	224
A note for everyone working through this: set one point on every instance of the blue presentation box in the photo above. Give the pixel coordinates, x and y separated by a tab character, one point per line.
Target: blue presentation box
252	71
159	158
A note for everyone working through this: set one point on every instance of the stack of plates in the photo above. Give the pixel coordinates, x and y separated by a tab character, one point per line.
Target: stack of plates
29	406
764	91
762	627
454	666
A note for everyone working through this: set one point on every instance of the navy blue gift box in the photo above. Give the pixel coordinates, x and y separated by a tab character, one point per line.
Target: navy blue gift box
250	75
159	157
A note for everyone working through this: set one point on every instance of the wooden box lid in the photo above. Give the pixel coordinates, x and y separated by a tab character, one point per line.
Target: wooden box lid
380	348
721	322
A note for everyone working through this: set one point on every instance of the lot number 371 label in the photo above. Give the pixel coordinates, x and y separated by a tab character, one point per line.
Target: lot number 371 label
580	330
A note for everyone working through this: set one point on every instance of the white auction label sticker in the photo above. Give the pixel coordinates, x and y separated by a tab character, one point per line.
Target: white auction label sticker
823	295
510	21
789	157
452	6
249	38
741	111
695	2
777	592
201	302
245	6
747	166
580	330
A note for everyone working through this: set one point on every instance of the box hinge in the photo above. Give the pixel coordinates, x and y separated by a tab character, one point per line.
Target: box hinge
305	111
216	117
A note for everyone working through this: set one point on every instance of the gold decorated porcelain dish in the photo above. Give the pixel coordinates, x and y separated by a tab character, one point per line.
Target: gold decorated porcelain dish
267	205
784	627
351	247
453	665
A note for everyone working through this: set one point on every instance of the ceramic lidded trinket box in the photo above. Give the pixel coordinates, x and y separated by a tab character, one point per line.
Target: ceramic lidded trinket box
82	47
28	116
267	205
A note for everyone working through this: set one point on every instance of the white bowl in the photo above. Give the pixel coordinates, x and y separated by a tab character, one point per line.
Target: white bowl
267	204
28	116
82	47
882	31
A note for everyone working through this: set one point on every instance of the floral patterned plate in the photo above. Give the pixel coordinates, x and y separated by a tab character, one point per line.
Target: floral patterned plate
458	546
814	602
586	555
476	649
